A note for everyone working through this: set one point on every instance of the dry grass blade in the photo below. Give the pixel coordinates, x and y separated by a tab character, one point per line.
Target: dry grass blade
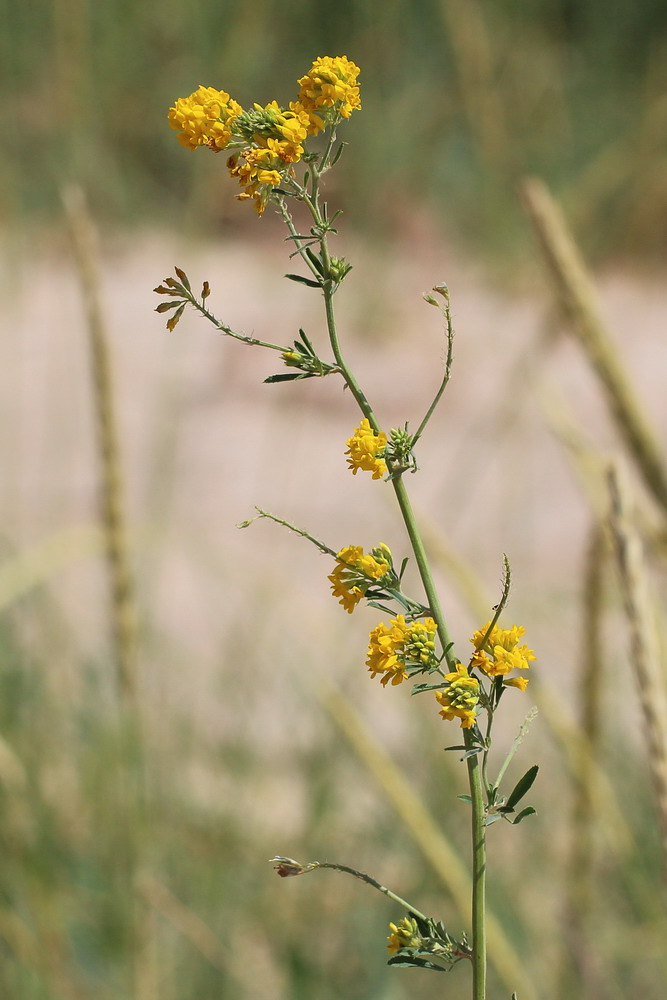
124	619
576	295
643	640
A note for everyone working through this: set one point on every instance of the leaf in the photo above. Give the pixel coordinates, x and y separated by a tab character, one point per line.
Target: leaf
528	811
461	747
520	789
306	343
418	688
315	261
288	376
492	818
303	280
414	962
183	276
465	798
166	306
337	154
171	323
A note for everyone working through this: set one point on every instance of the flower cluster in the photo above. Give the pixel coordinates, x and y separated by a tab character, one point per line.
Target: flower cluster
405	934
330	88
501	653
355	572
399	646
366	449
460	698
266	142
205	118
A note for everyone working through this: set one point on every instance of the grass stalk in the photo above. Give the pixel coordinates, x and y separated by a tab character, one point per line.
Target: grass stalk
643	640
123	610
580	876
574	290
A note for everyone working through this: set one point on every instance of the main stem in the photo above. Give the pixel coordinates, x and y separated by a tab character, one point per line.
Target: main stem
473	763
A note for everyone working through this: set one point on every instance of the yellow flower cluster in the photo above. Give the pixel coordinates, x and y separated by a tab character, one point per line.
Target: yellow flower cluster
330	86
365	449
355	572
504	653
267	141
459	699
205	118
405	934
394	647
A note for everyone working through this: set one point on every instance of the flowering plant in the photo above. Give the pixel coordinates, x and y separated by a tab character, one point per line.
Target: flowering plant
272	155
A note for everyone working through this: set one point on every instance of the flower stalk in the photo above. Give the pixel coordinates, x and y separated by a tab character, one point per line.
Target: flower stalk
266	145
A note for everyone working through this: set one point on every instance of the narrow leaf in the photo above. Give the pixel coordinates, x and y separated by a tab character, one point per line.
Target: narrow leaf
520	789
303	280
166	306
417	963
492	818
418	688
171	323
315	260
183	276
288	377
528	811
338	153
465	798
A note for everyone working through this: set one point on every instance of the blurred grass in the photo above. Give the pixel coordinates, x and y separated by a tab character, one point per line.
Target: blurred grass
460	100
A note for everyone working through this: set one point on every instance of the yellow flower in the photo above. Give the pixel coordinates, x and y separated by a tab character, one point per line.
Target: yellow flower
398	645
517	682
505	654
365	448
356	571
460	697
205	118
404	935
329	88
260	169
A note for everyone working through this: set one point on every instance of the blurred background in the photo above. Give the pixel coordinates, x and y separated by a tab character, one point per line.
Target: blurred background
181	700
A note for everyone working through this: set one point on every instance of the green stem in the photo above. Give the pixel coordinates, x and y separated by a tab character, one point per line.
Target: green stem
369	880
473	764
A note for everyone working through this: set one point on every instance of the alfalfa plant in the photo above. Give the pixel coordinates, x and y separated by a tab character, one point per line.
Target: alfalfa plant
280	156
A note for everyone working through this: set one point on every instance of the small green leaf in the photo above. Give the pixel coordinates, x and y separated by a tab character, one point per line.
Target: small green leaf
337	154
288	377
418	688
414	962
528	811
303	280
465	798
306	343
315	261
457	747
520	789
